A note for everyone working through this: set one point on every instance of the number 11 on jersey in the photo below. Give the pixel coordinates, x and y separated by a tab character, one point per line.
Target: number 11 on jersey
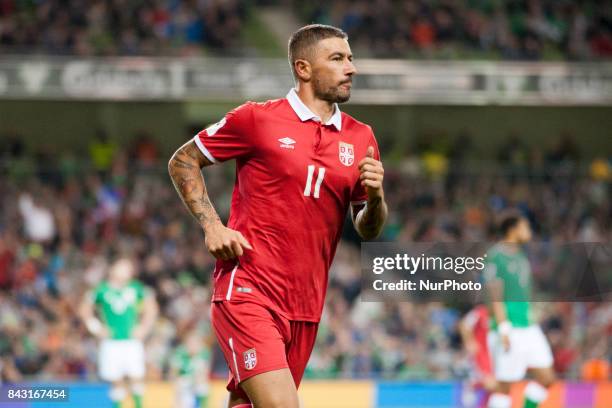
317	187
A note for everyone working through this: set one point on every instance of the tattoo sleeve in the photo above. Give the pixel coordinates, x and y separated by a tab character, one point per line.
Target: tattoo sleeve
185	171
370	220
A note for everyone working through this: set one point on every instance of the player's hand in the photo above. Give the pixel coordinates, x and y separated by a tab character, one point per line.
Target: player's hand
139	333
96	328
103	334
371	175
471	347
505	342
490	383
225	243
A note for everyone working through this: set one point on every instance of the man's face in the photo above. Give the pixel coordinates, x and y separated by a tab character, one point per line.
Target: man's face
332	70
121	272
523	231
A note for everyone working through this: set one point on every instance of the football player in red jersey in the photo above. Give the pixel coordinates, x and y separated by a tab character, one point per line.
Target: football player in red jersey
301	164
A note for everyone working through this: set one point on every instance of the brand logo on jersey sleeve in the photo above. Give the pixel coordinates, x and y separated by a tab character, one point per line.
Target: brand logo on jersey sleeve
346	153
287	143
250	359
212	129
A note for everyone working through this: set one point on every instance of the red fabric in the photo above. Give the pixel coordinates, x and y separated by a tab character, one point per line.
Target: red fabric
294	234
26	273
255	339
602	45
423	34
479	319
564	357
6	261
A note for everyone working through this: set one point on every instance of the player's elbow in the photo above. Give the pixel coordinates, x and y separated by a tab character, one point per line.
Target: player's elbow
172	162
370	227
175	164
373	236
368	234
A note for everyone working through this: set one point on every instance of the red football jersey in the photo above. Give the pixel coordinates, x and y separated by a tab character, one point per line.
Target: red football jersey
295	179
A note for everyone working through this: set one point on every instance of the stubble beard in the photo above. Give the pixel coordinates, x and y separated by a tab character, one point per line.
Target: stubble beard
333	94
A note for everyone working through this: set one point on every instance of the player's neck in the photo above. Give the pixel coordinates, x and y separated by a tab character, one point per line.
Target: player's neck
510	244
323	109
116	285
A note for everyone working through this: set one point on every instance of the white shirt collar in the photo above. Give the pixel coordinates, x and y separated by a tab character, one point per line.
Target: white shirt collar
304	113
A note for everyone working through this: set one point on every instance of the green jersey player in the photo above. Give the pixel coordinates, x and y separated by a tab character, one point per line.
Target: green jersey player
517	344
120	312
190	367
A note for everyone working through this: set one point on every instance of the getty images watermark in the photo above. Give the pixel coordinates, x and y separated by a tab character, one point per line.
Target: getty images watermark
462	272
412	264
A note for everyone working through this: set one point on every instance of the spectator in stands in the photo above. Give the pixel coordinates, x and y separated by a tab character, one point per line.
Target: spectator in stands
39	221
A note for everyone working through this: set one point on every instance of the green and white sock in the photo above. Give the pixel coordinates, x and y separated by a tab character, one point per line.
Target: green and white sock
499	400
137	400
117	395
534	394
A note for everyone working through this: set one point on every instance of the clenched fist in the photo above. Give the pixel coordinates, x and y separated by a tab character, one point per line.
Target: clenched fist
371	175
225	243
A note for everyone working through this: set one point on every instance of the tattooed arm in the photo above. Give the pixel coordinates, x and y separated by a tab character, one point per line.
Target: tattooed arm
185	171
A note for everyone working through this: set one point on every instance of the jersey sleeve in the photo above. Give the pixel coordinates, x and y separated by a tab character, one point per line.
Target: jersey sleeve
491	269
96	295
230	138
141	291
359	195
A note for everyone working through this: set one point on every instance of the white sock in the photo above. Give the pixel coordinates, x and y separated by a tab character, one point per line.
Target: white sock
535	392
137	388
499	400
117	393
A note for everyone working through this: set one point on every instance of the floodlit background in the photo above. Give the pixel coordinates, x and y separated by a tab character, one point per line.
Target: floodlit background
476	104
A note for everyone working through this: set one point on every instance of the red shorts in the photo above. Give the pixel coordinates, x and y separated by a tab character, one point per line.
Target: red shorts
255	339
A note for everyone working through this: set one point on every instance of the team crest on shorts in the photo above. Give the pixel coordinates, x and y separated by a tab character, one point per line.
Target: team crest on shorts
346	153
250	359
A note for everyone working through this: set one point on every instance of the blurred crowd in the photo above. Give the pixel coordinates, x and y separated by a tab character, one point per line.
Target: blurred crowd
119	27
63	220
508	29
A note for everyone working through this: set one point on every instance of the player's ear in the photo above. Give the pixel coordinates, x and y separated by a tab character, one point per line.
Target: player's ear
303	69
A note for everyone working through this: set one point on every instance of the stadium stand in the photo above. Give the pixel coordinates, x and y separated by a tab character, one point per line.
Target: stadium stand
513	30
119	28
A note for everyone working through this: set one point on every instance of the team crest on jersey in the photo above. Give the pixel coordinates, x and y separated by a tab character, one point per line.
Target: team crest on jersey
346	153
250	359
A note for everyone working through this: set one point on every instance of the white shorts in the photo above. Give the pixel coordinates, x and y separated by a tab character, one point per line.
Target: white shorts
118	359
528	349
